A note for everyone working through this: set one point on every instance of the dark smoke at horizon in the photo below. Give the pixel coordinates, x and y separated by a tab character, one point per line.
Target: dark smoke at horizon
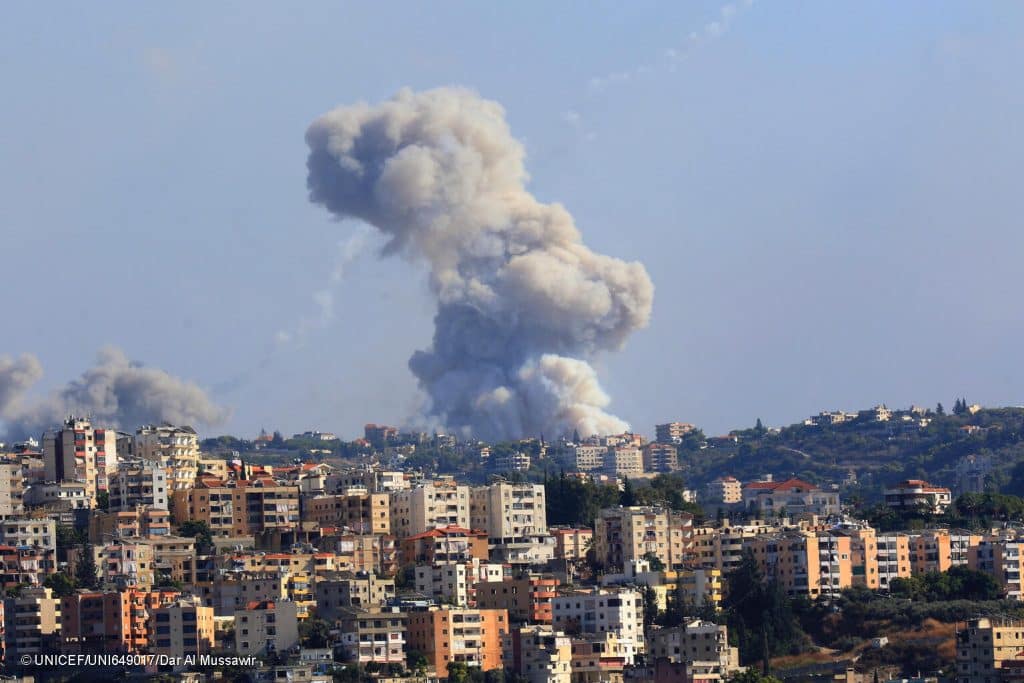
523	304
116	392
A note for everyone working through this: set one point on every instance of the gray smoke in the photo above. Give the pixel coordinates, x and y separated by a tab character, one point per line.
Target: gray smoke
116	392
522	302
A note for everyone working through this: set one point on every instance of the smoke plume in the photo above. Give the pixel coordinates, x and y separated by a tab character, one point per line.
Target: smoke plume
116	392
522	302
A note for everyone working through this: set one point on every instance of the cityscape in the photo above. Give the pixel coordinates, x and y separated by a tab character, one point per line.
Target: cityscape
605	342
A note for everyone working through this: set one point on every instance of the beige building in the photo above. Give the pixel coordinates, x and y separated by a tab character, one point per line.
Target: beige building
431	506
238	507
985	646
622	535
696	641
181	629
12	490
916	494
374	636
175	448
660	457
539	654
624	461
265	627
726	490
78	451
804	563
338	592
515	519
132	485
363	513
589	457
31	623
672	432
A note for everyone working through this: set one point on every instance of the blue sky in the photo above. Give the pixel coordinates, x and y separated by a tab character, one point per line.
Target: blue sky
826	195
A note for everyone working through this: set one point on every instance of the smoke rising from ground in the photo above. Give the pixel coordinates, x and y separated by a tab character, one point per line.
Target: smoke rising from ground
522	302
116	392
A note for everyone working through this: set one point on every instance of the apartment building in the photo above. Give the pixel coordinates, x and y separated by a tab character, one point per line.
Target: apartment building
238	507
446	544
226	594
571	544
790	497
470	636
58	497
374	636
183	628
622	535
527	598
12	490
138	484
660	457
29	532
672	432
515	519
696	641
624	461
31	623
373	480
78	451
362	512
1001	558
174	448
893	557
266	626
589	457
722	546
441	504
984	648
602	611
336	593
727	490
917	494
134	523
538	653
805	563
110	621
376	553
454	583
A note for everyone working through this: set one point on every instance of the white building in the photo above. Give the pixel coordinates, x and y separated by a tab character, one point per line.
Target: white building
175	448
603	611
431	506
132	485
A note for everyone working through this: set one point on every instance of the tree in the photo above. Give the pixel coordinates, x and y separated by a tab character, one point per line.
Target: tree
628	497
86	575
198	530
650	606
939	410
654	561
759	427
61	584
314	632
751	675
103	500
416	661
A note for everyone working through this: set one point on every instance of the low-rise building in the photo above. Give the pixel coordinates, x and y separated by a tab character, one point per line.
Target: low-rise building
183	628
527	598
696	641
31	623
338	593
539	654
374	636
266	627
917	494
469	636
726	490
790	497
985	646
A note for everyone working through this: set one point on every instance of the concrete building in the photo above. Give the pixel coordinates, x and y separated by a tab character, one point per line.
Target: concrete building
454	583
660	457
572	544
917	494
65	496
603	611
31	623
985	646
181	628
696	641
790	497
447	544
336	593
374	636
78	451
266	627
527	598
624	461
726	490
539	654
110	621
470	636
29	532
138	484
589	457
12	490
174	448
363	513
622	535
811	564
441	504
238	507
515	519
672	432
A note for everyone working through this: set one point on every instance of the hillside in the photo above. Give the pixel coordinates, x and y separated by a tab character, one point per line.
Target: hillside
878	453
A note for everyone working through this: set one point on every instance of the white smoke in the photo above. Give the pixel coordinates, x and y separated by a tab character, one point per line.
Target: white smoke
522	302
116	392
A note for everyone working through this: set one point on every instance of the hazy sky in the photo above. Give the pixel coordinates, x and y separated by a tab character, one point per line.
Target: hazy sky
827	196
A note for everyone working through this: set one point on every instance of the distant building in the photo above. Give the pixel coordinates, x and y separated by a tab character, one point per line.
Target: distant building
31	624
472	636
174	448
12	490
266	627
917	494
183	628
972	472
414	511
986	648
133	485
625	460
672	432
696	641
603	611
80	452
624	534
726	490
793	496
539	654
660	457
379	435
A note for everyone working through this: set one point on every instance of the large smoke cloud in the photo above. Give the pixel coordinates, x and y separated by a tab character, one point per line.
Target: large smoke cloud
522	302
116	392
